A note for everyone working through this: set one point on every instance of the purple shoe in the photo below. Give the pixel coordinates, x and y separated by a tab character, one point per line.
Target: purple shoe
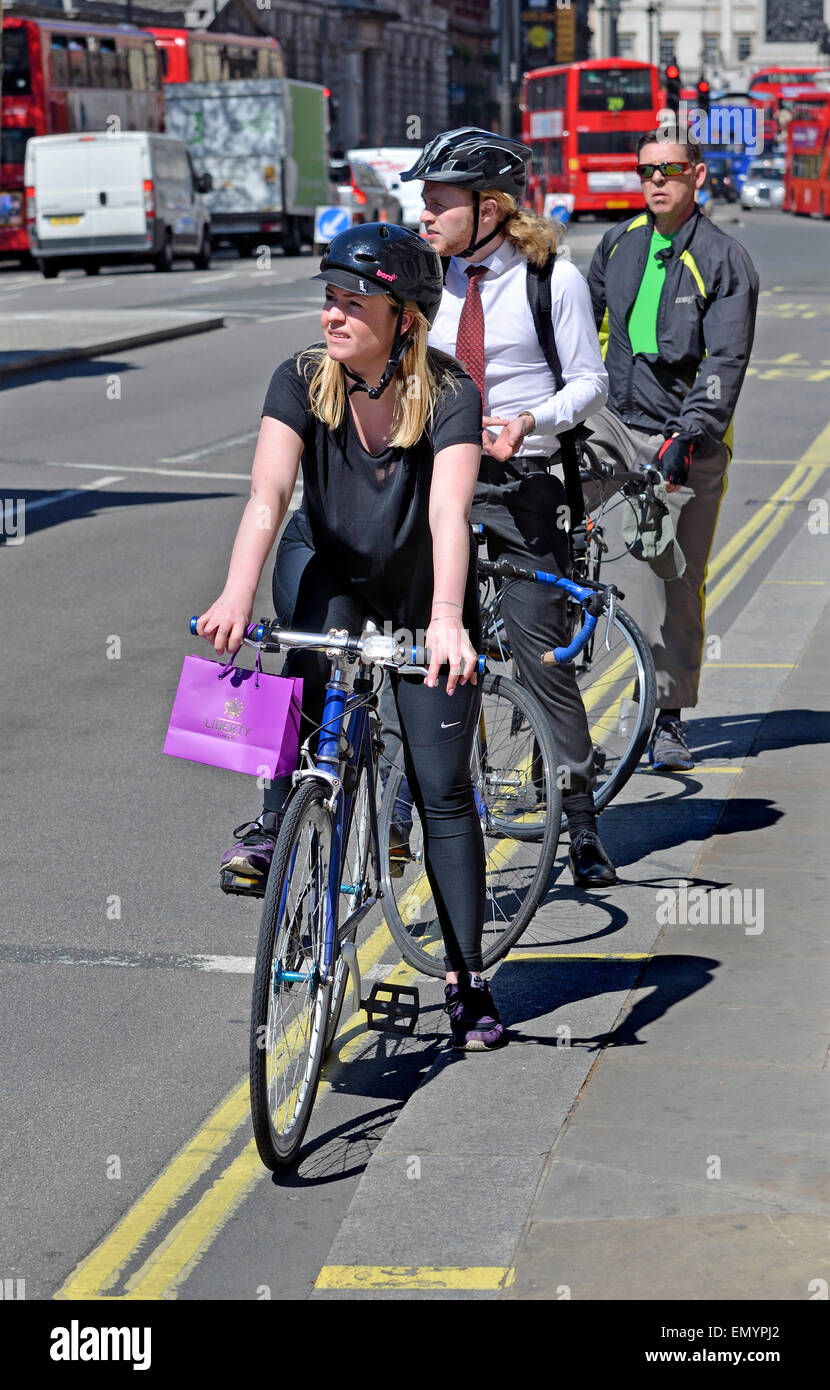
244	868
474	1018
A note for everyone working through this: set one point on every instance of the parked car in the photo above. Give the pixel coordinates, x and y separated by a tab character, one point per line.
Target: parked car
721	179
363	192
763	186
93	200
390	164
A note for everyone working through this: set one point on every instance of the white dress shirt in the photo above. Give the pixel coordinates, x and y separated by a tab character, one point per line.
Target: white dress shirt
516	375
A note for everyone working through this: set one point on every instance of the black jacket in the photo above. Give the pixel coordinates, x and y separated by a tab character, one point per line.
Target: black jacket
705	326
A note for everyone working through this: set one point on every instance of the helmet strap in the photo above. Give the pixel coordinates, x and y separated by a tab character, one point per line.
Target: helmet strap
477	245
399	349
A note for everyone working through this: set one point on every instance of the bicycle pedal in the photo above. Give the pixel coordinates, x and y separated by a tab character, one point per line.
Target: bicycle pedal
230	882
392	1014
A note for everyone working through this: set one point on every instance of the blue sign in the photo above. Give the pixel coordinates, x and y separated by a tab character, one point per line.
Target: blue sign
330	222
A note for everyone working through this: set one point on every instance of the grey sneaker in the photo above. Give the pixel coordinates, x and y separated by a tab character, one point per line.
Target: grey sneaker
668	748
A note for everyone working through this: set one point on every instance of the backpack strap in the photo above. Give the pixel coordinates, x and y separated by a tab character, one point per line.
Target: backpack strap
540	300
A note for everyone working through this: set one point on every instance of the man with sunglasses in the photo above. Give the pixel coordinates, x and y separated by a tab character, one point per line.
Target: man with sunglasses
674	300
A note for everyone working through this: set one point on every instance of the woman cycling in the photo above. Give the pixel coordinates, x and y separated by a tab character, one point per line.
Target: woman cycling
388	433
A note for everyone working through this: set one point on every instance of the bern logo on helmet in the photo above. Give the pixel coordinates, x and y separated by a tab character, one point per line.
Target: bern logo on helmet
382	275
363	289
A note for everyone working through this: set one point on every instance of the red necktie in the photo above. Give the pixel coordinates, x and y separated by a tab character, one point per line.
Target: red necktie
469	344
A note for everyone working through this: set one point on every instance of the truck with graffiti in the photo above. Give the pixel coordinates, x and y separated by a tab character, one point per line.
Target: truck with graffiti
264	142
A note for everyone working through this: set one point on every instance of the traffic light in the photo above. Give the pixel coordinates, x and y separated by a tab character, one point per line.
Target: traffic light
673	88
703	95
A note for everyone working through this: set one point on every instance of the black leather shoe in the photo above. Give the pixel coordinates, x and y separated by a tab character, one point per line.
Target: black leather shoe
590	865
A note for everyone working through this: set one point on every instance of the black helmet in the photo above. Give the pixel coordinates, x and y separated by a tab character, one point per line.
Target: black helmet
474	158
382	258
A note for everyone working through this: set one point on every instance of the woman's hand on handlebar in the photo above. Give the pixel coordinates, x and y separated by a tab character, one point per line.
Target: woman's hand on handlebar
449	645
225	623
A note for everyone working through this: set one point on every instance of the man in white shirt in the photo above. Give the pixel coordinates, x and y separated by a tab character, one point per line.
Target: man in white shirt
494	319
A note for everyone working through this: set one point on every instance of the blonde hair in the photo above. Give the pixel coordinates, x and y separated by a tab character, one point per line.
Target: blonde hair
536	238
417	385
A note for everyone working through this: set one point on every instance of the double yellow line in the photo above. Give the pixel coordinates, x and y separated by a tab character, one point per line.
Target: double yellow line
169	1263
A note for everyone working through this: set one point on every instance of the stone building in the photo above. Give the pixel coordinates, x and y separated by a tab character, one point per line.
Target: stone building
725	40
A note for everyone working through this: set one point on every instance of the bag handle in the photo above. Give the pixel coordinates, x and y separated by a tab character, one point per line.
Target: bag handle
226	670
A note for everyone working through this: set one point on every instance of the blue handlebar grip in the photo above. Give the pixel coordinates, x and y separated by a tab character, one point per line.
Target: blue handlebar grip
480	664
566	654
477	528
193	621
259	635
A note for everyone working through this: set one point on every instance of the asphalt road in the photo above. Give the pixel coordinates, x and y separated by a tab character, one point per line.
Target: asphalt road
126	966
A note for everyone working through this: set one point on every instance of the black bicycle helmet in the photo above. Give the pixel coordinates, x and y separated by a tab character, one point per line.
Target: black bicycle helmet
479	160
475	158
382	258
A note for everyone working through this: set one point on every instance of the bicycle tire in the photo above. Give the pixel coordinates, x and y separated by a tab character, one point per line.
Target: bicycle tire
619	692
619	725
355	888
289	1019
518	869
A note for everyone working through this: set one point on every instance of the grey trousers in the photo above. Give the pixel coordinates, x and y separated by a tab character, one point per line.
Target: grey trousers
671	613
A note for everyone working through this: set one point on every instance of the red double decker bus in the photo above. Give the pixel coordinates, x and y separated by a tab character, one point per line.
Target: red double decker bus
189	55
582	122
807	177
60	77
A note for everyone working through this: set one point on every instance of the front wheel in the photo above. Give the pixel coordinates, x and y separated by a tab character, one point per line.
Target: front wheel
619	692
357	884
291	998
514	766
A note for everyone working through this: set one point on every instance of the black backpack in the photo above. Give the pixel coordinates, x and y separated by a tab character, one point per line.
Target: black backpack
541	306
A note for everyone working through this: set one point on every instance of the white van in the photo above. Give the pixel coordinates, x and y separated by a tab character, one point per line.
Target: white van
390	164
94	198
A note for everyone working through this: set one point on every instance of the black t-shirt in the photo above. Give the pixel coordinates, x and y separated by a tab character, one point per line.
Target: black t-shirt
368	514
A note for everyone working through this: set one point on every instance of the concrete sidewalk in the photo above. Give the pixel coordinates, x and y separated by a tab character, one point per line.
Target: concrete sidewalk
695	1163
657	1127
31	341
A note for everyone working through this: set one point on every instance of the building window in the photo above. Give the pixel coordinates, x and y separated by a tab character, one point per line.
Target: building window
744	43
625	46
711	49
668	49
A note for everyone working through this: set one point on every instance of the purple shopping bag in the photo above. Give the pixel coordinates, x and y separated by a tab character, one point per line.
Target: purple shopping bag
246	721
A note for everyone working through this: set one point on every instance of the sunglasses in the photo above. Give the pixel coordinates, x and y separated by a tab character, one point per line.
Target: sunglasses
669	170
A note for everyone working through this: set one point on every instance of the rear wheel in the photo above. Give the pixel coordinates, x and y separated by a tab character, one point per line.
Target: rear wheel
291	240
513	766
291	999
203	256
49	269
164	260
92	267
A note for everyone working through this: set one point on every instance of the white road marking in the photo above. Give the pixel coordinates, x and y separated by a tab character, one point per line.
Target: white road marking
212	279
73	492
281	318
163	472
219	447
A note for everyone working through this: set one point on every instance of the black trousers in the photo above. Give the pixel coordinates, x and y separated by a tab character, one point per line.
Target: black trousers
524	511
437	732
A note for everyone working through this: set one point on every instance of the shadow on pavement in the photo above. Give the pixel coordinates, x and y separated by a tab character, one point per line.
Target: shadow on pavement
59	371
747	735
529	990
665	823
78	505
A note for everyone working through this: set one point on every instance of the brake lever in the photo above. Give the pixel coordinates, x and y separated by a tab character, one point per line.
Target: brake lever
610	612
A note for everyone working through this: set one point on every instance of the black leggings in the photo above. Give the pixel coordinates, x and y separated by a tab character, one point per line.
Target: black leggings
437	732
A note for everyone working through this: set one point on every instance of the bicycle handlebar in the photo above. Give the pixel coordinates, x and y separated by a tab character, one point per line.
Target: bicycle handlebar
372	647
592	600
